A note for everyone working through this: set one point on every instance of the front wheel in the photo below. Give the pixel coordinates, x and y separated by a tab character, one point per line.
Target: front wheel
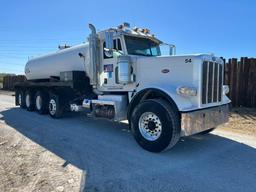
155	125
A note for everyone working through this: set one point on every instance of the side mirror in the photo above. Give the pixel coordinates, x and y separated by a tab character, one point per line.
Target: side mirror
109	44
109	39
167	49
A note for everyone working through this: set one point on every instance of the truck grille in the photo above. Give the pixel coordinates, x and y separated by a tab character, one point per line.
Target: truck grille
212	80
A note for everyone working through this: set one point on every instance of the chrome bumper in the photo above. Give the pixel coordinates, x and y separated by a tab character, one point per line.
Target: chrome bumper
201	120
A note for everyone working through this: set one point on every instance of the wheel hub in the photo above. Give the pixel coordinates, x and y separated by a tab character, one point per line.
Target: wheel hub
150	126
52	106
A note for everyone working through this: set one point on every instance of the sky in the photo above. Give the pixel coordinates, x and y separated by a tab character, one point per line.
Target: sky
30	28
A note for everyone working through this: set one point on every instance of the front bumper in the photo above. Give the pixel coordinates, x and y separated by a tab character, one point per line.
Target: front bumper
201	120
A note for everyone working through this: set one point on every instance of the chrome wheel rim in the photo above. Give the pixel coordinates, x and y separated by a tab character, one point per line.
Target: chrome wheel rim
150	126
52	106
38	102
27	100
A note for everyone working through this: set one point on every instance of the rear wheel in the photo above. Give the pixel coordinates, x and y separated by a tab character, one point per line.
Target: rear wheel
55	107
41	102
20	98
29	101
155	125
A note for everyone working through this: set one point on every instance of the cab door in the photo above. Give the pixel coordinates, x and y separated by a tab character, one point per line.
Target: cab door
109	66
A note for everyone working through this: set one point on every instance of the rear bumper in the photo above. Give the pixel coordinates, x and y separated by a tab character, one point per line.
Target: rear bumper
201	120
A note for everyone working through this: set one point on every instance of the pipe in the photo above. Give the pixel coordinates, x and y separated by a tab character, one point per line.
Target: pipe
93	29
94	59
93	54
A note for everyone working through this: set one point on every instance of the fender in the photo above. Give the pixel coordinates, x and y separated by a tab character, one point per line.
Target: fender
167	93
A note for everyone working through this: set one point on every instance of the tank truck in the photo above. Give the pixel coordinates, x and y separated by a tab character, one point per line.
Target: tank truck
122	73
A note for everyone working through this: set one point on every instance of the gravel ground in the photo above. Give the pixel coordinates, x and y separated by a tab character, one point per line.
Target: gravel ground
38	153
242	120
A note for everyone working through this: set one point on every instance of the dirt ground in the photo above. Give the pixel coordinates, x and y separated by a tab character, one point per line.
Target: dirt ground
242	120
26	166
76	154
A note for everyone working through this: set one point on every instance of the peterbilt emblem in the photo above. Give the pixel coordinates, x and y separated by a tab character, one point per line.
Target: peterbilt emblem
165	71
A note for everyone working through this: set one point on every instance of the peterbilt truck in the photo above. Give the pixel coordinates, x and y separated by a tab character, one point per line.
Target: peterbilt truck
121	73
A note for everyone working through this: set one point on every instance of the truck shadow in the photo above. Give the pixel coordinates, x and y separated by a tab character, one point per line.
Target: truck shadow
112	161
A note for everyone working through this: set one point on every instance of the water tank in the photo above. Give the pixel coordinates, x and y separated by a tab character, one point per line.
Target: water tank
75	58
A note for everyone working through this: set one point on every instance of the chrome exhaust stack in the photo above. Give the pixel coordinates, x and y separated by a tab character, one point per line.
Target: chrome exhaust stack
93	49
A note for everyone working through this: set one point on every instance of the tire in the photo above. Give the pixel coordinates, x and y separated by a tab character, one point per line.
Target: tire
159	117
55	107
206	131
41	102
29	100
20	98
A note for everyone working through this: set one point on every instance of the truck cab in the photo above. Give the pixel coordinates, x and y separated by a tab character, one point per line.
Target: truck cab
120	44
190	86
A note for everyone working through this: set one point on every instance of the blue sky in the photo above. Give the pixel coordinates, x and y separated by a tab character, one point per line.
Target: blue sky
30	28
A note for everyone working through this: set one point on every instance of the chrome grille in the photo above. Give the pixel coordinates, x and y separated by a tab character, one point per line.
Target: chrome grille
212	80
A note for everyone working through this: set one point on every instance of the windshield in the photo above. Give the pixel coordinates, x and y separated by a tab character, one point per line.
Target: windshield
141	46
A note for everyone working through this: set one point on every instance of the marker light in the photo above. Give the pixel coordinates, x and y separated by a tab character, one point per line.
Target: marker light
146	31
136	29
124	25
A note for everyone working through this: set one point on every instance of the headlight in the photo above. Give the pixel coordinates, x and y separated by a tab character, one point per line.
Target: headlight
187	91
225	89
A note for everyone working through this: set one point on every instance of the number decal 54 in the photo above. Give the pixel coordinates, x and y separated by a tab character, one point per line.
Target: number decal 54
188	60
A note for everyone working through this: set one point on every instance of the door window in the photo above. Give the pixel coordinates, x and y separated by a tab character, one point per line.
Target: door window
116	45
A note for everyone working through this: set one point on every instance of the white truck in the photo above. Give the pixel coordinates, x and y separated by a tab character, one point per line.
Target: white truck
121	74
